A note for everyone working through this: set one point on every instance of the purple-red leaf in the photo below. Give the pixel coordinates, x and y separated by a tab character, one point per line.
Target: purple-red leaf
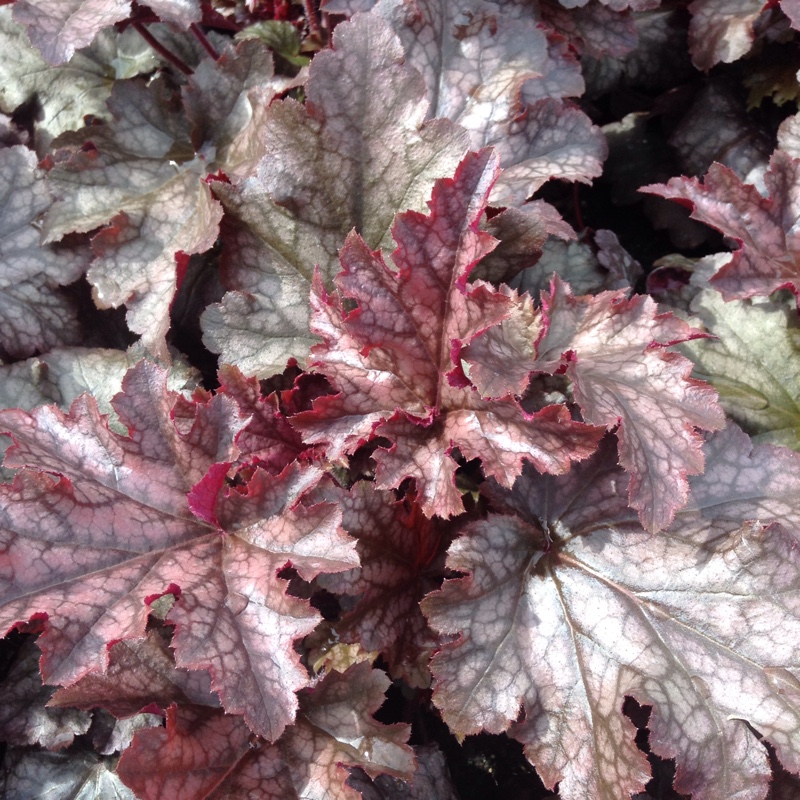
400	553
765	227
203	754
613	350
141	673
392	357
113	529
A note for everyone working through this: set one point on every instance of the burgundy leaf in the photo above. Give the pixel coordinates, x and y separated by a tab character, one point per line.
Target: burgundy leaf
268	437
763	226
189	758
205	754
141	673
400	553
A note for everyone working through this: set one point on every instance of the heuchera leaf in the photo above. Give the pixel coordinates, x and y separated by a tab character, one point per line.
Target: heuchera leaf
268	438
391	357
67	94
24	717
353	156
33	315
431	780
60	27
143	177
113	530
764	226
141	673
753	363
721	30
67	776
569	606
399	550
613	350
205	754
495	74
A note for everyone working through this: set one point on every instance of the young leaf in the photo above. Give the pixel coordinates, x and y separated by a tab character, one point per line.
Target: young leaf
392	358
763	226
570	606
753	362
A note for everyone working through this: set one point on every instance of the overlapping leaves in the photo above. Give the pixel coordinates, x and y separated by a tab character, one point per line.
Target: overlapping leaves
391	359
110	527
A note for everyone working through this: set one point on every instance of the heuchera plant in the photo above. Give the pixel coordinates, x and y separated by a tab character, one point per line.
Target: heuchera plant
313	397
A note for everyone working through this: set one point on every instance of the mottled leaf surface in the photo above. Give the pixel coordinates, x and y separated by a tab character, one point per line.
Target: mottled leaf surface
721	30
392	358
61	776
613	350
34	315
353	156
399	550
764	227
486	70
752	363
69	92
24	717
204	754
112	529
141	673
142	176
569	605
63	374
268	437
60	27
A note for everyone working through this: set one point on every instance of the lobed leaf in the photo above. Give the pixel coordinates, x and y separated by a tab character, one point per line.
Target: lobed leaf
569	606
764	227
392	358
752	363
205	754
613	350
34	315
353	156
112	530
